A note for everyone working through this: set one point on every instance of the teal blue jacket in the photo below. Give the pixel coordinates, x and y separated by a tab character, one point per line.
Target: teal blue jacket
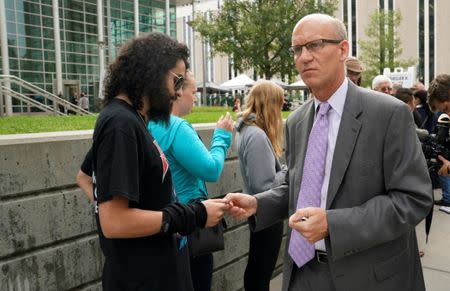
189	160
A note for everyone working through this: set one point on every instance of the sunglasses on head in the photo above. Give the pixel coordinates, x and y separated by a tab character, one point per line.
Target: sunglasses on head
178	81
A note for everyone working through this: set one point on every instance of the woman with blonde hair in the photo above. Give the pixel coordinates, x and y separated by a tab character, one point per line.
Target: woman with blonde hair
259	145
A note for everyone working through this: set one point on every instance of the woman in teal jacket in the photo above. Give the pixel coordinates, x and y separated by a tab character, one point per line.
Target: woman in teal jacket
192	164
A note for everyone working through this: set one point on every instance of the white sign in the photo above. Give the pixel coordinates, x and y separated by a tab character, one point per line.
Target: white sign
405	77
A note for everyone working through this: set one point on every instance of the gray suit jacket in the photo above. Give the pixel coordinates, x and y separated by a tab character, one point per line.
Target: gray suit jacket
379	191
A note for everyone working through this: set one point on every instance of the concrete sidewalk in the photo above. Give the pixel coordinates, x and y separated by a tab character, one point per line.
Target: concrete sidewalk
435	262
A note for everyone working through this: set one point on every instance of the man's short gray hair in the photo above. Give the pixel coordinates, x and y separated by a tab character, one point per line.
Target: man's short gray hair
380	79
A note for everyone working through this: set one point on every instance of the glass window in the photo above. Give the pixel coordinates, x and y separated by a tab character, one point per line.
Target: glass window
32	19
91	18
47	10
91	39
75	6
29	65
31	42
10	15
91	49
47	33
47	22
49	44
31	7
9	4
11	27
33	31
76	58
74	26
13	64
91	8
27	53
92	59
74	15
32	77
127	6
74	36
91	29
49	55
48	78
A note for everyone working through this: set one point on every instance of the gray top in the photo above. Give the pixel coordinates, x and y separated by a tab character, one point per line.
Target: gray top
260	168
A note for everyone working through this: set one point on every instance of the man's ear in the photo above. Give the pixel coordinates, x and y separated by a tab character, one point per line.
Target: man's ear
344	47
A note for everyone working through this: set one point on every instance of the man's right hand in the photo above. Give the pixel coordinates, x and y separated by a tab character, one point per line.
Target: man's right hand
242	205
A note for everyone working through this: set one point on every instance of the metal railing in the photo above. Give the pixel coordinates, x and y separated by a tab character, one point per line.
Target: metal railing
28	100
58	103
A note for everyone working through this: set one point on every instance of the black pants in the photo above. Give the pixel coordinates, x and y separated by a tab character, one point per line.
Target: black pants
262	256
201	272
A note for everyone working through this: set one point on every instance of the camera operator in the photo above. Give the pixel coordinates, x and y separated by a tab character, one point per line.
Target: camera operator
439	100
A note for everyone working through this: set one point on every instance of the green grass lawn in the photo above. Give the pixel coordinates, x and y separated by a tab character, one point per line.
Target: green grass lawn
44	123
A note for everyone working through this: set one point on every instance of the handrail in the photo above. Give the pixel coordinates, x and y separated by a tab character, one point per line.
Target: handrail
24	98
47	95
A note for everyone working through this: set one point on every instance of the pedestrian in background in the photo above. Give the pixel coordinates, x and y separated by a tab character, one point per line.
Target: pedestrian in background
260	146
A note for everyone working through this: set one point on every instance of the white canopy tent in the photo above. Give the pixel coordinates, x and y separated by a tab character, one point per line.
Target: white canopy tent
240	82
299	85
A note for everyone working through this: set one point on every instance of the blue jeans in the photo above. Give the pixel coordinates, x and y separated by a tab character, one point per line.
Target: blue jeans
445	184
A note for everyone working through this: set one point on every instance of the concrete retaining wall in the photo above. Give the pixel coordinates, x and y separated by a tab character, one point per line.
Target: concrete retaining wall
48	238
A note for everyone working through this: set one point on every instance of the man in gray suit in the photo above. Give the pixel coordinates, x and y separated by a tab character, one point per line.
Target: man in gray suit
357	183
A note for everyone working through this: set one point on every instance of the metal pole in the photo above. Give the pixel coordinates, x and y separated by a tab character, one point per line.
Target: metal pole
168	17
108	27
5	61
101	47
426	54
193	47
58	65
204	67
136	17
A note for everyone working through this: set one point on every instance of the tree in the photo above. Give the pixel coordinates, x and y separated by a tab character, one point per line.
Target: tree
382	48
257	34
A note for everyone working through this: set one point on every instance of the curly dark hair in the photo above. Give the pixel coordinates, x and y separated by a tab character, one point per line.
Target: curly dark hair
439	89
140	69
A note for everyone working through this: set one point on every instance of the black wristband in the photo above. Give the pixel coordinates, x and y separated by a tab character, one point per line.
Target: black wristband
201	215
183	218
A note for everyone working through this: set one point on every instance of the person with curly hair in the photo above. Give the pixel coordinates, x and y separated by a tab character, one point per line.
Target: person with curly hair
141	226
191	164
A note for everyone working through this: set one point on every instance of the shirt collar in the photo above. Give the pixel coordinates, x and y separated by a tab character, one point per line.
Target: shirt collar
337	100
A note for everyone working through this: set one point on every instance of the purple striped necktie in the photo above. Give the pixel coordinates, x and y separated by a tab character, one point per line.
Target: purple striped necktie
300	249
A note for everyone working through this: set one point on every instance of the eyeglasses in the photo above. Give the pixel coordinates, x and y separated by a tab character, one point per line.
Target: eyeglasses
178	81
312	46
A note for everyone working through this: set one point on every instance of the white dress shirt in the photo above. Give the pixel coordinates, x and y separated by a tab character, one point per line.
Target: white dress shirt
336	101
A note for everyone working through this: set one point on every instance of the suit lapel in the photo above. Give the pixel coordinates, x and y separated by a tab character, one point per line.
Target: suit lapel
346	141
302	130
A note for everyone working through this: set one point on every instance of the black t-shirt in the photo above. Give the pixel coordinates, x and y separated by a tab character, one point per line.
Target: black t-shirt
129	163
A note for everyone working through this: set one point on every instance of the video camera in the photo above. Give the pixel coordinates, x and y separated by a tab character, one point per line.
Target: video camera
438	144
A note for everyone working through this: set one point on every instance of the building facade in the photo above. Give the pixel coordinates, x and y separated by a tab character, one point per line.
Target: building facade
422	30
422	34
69	62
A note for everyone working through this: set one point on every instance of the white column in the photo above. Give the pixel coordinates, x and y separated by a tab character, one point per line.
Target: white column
136	17
56	35
168	17
108	27
349	26
5	60
101	47
193	40
426	62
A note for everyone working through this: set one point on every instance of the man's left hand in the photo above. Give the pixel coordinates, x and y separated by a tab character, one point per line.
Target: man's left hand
444	170
314	225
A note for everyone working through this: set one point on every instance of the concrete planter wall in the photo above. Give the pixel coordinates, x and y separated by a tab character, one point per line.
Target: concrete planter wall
48	238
